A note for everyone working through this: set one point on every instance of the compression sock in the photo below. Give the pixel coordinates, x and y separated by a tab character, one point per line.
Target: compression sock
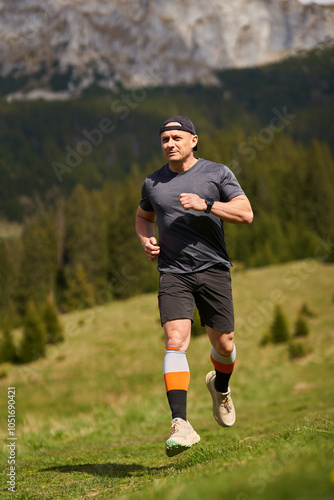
224	367
177	378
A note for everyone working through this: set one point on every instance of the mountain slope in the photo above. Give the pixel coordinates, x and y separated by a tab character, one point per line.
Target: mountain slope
60	47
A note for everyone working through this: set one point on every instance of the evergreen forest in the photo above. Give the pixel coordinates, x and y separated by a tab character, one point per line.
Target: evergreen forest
71	176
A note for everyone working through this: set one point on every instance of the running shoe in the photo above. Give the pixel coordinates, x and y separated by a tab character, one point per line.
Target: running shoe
223	408
182	437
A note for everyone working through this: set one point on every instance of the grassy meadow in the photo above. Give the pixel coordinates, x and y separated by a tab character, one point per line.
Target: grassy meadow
92	417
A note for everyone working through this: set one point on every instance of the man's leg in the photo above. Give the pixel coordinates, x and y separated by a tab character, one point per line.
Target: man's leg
177	377
176	305
175	368
223	354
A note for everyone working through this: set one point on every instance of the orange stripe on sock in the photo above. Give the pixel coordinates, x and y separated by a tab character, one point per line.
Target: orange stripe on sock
221	367
177	381
173	349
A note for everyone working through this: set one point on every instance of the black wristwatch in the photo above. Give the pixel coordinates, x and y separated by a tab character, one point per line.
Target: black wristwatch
209	202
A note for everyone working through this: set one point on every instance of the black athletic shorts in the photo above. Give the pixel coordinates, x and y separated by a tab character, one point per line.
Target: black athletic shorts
210	290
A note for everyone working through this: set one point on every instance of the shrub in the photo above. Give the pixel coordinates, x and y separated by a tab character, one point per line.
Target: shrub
78	293
279	328
296	349
34	336
54	328
7	347
265	340
301	328
306	311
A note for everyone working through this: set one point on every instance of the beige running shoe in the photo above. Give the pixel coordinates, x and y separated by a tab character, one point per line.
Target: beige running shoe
182	437
223	408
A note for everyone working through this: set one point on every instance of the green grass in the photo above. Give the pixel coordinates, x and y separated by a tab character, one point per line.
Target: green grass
93	416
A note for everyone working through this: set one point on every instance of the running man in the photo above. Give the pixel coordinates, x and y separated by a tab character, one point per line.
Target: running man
191	198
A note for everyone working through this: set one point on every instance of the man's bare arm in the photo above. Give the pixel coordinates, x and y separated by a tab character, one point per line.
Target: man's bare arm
237	211
145	229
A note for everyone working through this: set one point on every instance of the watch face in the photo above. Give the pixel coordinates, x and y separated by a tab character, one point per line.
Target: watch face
209	202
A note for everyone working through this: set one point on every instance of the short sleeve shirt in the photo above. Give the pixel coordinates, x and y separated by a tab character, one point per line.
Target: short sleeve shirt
190	241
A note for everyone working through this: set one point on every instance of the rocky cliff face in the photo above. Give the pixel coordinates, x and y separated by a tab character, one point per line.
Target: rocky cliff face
64	46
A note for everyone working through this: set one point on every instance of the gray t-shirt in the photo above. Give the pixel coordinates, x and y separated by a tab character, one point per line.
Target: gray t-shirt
190	241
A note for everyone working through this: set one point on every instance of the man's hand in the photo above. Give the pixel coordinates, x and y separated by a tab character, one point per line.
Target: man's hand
190	200
151	248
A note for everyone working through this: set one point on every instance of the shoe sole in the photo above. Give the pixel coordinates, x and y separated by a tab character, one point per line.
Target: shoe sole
173	448
211	389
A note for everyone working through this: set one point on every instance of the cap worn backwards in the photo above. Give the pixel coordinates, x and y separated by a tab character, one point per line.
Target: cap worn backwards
185	124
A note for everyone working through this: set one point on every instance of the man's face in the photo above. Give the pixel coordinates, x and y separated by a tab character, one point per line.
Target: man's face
177	145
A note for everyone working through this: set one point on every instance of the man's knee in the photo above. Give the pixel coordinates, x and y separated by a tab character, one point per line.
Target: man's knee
222	342
227	347
177	334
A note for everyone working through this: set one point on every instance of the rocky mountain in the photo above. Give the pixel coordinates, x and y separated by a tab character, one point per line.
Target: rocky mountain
57	48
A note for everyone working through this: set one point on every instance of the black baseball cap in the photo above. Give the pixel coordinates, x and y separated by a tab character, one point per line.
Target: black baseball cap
185	124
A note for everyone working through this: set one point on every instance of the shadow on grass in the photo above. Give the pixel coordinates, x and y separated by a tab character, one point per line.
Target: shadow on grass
109	469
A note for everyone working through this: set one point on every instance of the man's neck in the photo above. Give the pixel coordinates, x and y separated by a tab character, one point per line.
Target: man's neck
182	166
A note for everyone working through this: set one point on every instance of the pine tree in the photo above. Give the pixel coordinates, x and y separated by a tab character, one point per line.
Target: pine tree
130	272
7	347
78	293
6	275
38	263
54	328
306	311
319	189
301	328
86	235
34	336
279	329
